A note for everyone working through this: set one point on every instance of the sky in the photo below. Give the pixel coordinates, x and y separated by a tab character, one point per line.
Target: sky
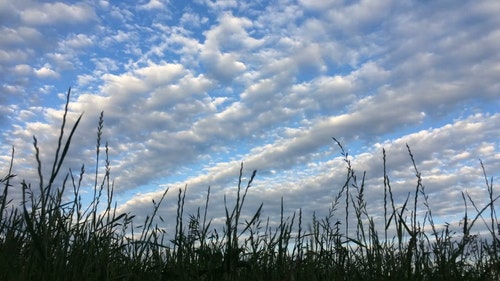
191	89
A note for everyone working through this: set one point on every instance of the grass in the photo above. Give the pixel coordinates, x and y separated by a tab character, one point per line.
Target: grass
51	237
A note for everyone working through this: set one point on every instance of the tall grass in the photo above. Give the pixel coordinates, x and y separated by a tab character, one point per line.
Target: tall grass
51	237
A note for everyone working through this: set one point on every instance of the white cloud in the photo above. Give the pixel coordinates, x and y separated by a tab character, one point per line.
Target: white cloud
317	181
14	56
46	72
105	65
122	14
122	36
62	60
51	13
23	70
153	5
19	36
224	67
187	98
222	45
360	15
192	19
155	75
78	41
84	80
219	4
104	3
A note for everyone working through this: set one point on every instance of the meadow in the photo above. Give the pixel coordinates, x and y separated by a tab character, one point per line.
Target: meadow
50	237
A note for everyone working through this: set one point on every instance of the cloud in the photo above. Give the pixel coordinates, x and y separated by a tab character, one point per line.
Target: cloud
361	15
153	4
219	5
11	56
192	19
320	181
54	13
23	70
216	53
187	98
46	72
78	41
20	36
223	67
64	61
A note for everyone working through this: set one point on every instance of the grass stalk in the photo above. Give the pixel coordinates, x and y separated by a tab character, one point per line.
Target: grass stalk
53	236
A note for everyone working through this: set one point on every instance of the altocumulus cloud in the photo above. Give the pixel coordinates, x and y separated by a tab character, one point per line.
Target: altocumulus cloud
191	90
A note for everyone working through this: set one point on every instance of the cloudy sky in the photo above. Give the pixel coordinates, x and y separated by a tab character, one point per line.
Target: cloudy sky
190	90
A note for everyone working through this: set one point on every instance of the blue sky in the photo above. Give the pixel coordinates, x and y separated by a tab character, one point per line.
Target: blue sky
190	90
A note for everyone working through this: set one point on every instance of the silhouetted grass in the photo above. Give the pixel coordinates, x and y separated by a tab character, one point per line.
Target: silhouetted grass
49	237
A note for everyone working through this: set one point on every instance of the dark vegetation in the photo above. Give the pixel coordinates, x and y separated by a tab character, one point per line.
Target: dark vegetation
48	237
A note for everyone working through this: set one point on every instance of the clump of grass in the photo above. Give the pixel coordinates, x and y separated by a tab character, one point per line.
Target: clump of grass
51	235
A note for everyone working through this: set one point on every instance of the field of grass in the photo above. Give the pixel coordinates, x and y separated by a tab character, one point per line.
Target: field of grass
48	237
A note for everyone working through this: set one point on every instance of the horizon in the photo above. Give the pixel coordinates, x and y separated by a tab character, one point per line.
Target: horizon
191	90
